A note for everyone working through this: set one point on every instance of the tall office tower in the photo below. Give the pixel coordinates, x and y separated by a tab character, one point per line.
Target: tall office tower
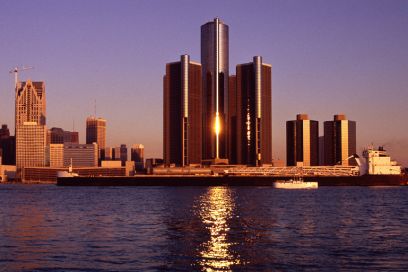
321	150
120	154
30	127
107	154
4	132
55	136
116	153
302	141
96	131
253	102
232	115
137	155
215	77
182	114
123	154
30	103
339	141
8	146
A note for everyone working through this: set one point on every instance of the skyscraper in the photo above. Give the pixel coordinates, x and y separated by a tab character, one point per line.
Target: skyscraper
96	131
30	127
339	141
30	103
106	154
215	77
55	136
182	113
253	103
120	154
232	115
8	146
137	155
321	150
4	132
302	141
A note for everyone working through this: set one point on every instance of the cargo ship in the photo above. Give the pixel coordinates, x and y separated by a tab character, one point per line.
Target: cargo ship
375	169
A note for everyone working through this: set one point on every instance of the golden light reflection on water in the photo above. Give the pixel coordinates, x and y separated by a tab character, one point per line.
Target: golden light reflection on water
216	208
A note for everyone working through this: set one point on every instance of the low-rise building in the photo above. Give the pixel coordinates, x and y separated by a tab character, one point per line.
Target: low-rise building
81	155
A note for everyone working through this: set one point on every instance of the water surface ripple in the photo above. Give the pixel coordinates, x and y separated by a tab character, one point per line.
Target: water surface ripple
50	228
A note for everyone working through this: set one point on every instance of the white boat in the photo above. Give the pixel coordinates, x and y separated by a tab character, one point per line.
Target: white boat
67	174
296	183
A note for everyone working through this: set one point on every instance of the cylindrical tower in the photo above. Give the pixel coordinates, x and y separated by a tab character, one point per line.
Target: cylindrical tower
215	75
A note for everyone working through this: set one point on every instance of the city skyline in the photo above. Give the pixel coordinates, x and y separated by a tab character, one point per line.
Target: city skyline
328	58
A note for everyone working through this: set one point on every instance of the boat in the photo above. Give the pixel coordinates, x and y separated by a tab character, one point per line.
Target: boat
375	168
67	174
295	183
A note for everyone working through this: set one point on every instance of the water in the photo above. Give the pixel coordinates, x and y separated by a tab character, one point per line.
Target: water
49	228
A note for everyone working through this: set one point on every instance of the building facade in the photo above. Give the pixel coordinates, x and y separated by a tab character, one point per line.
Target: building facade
232	122
31	145
302	141
81	155
215	79
182	113
60	136
30	118
123	154
120	154
4	132
56	153
7	146
321	150
339	141
96	131
252	114
107	154
71	137
137	156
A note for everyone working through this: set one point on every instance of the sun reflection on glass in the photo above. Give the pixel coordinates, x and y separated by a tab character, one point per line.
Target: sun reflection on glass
216	208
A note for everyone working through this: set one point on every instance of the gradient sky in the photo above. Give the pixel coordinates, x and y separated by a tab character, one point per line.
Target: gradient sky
328	57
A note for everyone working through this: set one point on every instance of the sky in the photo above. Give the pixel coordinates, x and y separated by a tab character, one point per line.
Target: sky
328	57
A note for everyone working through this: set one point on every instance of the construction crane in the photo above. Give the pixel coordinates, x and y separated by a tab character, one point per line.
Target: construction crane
16	70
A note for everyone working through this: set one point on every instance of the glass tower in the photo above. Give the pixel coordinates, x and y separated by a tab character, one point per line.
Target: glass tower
215	76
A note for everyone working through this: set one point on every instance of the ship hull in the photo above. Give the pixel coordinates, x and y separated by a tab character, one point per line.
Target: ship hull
158	180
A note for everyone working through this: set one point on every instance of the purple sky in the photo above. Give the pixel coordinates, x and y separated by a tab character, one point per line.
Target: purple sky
328	57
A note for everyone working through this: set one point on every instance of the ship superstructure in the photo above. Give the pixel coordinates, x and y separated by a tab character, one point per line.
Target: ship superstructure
378	162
